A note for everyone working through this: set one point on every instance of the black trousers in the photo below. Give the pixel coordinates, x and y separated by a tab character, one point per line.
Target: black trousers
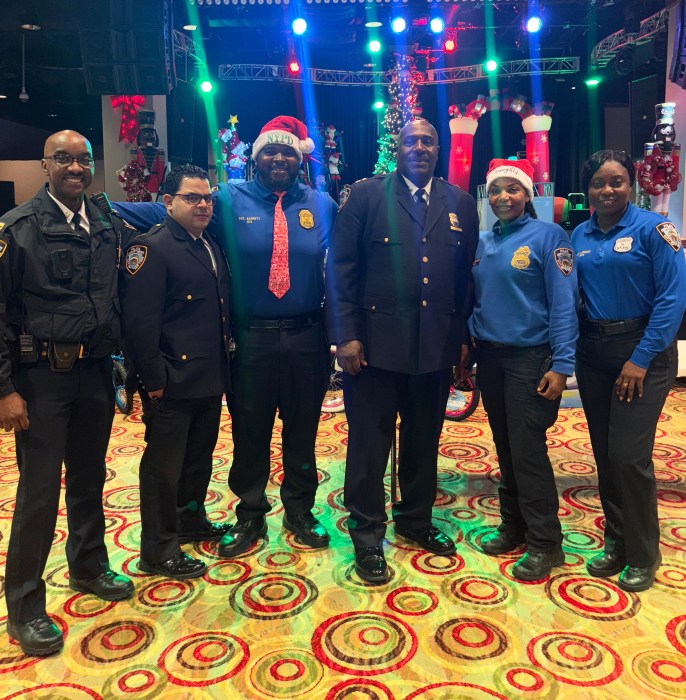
288	371
70	415
622	437
175	471
373	400
519	417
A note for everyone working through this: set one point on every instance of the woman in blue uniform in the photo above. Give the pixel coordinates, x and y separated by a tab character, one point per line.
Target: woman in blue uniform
633	286
525	328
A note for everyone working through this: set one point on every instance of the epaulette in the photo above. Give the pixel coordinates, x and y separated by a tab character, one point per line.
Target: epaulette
13	215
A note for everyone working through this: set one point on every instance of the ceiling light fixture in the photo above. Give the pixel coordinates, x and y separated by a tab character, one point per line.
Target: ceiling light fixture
23	95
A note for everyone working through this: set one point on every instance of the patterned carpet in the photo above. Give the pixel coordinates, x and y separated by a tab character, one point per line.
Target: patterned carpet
285	622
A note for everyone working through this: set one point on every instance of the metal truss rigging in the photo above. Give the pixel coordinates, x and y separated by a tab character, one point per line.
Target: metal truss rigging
433	76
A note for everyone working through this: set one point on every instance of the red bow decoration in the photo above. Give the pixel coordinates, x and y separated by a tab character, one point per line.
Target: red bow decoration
129	115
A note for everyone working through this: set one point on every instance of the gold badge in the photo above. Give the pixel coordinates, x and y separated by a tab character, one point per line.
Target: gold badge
135	258
520	259
306	218
454	222
669	233
3	245
2	226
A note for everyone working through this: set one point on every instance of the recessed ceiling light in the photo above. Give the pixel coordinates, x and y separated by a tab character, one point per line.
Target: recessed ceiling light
372	24
52	114
3	97
30	27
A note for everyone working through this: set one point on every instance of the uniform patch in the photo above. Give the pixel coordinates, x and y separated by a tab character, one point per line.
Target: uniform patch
3	245
454	222
669	233
306	219
520	259
135	258
343	196
2	226
564	259
623	245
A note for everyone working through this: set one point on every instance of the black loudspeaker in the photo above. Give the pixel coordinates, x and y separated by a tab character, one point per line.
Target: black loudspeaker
181	123
133	56
578	216
6	196
643	96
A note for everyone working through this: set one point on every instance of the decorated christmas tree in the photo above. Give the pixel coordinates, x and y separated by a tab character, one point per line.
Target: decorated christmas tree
402	107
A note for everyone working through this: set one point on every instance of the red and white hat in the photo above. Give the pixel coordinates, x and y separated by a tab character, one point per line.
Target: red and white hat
520	170
284	131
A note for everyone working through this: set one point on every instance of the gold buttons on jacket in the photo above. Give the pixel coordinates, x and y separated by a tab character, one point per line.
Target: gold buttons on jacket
425	259
189	297
184	357
423	239
426	280
373	307
385	240
424	302
222	301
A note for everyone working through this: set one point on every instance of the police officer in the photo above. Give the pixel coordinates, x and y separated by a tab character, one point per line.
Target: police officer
525	326
398	291
58	325
175	298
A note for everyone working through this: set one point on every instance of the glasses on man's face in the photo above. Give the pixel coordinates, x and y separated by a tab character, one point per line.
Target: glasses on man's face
195	199
64	160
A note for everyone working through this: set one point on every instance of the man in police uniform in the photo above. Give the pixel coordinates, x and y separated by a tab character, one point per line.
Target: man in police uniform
58	325
282	355
398	294
175	299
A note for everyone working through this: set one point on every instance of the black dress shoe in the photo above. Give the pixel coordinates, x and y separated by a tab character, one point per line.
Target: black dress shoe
37	637
370	564
108	586
241	537
500	541
430	538
605	564
639	578
534	566
308	529
207	532
180	566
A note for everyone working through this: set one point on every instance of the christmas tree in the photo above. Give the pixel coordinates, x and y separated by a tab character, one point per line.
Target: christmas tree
402	108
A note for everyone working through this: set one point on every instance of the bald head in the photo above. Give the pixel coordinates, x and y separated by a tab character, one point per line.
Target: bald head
67	182
417	151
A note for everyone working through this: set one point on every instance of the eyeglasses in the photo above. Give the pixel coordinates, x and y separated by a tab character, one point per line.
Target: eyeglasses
65	160
195	199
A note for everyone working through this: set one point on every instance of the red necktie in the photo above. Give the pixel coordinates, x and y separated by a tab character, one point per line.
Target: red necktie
279	279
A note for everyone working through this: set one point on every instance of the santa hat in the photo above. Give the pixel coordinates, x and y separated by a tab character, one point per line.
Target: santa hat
284	131
520	170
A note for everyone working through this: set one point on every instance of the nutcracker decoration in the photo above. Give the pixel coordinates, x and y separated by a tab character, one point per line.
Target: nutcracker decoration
659	174
149	155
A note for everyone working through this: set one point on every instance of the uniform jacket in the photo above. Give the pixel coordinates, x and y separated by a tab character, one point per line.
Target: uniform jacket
176	318
57	283
404	290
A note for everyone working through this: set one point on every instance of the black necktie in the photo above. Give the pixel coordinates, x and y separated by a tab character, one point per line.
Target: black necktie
76	221
210	252
420	195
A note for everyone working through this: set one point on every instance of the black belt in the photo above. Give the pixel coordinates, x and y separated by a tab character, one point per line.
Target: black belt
611	327
281	324
490	344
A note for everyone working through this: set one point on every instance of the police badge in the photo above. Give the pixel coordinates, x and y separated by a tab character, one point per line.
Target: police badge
135	258
520	258
669	233
306	219
564	259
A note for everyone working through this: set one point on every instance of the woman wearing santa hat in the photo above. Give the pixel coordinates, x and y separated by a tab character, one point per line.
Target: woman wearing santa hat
633	284
525	329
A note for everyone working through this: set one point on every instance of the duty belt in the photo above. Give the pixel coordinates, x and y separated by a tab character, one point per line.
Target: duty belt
282	324
588	327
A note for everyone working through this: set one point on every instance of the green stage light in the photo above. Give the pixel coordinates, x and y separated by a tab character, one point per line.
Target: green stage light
491	65
374	46
206	86
378	105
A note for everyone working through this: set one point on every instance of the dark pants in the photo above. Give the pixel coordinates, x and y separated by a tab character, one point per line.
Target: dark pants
70	415
373	400
519	417
286	370
622	437
175	471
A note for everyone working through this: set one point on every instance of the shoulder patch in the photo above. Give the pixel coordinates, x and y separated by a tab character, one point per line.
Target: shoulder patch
2	225
564	259
343	196
135	258
669	234
3	244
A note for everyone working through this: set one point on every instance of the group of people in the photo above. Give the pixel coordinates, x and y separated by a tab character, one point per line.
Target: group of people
225	293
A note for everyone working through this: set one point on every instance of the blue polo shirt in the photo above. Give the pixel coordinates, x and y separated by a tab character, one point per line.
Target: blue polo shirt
635	270
526	289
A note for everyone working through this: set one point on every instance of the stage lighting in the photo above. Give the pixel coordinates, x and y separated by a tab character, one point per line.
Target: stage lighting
373	23
378	105
534	24
206	86
491	65
374	46
436	25
449	45
398	25
592	81
299	26
293	67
